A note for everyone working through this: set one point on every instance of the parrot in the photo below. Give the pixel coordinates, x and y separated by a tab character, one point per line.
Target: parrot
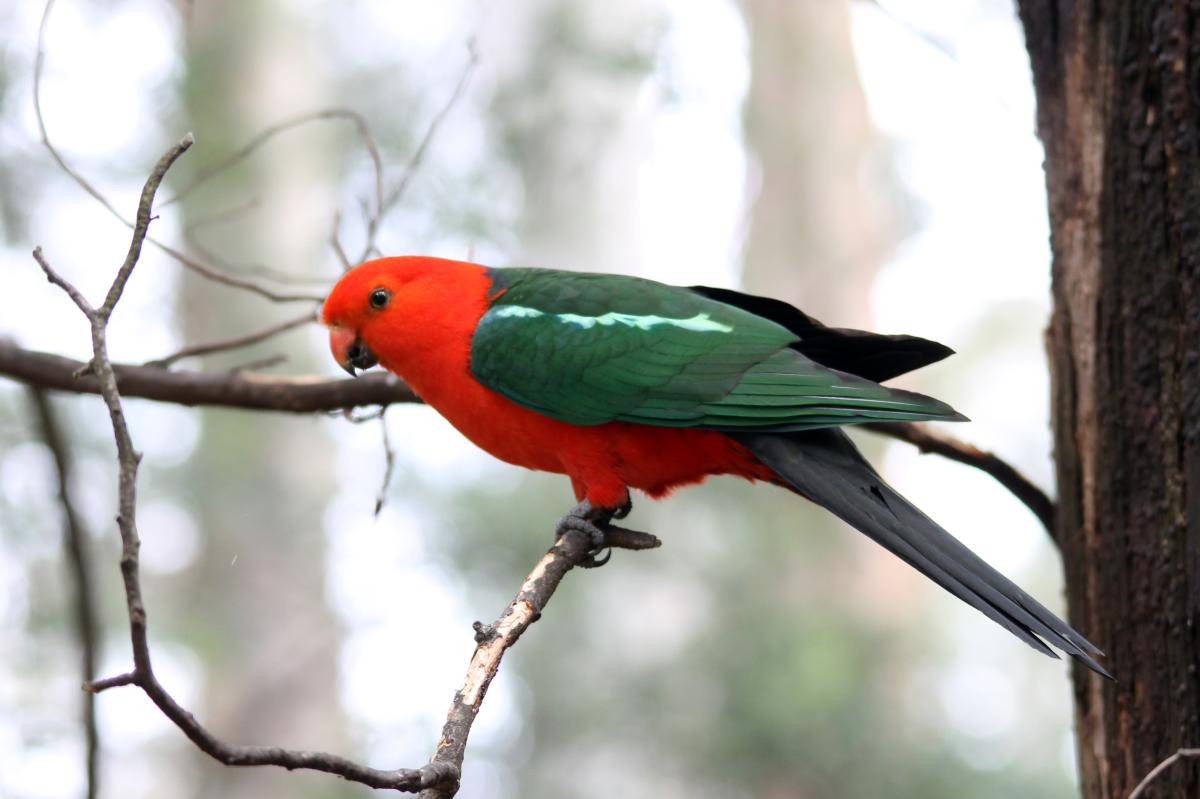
621	382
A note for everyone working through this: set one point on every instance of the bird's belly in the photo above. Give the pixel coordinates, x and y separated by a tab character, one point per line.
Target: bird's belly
601	460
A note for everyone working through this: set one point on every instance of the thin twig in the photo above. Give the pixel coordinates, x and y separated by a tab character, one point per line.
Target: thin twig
1157	771
191	236
493	640
418	155
54	277
389	461
204	270
141	226
335	242
75	543
270	132
225	279
236	342
192	230
926	439
259	364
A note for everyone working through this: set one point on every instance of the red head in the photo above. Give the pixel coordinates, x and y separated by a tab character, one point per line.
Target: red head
389	308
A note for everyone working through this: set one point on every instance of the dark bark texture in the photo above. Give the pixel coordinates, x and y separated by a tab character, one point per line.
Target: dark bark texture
1118	89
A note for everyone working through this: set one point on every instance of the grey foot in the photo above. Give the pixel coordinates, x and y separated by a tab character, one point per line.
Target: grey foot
592	522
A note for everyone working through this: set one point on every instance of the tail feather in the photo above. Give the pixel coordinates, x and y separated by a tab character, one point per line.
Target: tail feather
826	467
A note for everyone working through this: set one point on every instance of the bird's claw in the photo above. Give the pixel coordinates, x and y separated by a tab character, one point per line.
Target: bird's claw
623	510
593	562
592	522
581	524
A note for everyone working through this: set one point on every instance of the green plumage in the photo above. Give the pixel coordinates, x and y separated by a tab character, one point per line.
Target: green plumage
590	348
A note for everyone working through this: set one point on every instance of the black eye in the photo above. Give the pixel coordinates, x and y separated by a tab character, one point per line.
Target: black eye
379	297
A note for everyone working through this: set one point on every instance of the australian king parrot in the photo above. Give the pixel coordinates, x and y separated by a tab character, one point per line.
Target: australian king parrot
621	382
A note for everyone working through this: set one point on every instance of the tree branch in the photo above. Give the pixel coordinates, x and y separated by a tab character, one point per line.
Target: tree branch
75	543
249	391
1158	770
493	640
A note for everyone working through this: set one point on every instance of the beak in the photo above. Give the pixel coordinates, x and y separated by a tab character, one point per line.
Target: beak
349	351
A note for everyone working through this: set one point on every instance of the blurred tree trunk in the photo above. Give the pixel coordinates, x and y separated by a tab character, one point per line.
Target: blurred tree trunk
1118	112
566	107
260	488
816	235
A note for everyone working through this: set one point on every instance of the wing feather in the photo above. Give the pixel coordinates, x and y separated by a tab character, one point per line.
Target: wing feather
589	349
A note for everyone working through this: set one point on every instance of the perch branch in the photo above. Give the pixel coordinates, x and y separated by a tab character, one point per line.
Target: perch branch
493	640
926	439
75	543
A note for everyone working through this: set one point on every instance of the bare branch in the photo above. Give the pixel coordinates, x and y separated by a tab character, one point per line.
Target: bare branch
75	543
335	242
1157	771
294	394
96	686
493	640
389	461
141	225
926	439
236	342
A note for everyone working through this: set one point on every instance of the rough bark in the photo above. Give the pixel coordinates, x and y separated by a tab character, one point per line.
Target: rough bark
1118	112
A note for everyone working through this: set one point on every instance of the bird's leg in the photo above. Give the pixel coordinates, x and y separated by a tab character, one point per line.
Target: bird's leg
592	521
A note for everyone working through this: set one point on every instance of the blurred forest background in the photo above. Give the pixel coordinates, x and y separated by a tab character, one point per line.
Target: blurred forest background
875	163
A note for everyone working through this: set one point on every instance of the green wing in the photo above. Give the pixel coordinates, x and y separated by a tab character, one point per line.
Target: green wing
591	348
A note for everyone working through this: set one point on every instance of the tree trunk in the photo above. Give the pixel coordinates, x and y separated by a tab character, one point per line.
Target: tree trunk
1118	112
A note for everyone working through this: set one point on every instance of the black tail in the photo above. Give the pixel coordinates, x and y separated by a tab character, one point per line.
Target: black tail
825	467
